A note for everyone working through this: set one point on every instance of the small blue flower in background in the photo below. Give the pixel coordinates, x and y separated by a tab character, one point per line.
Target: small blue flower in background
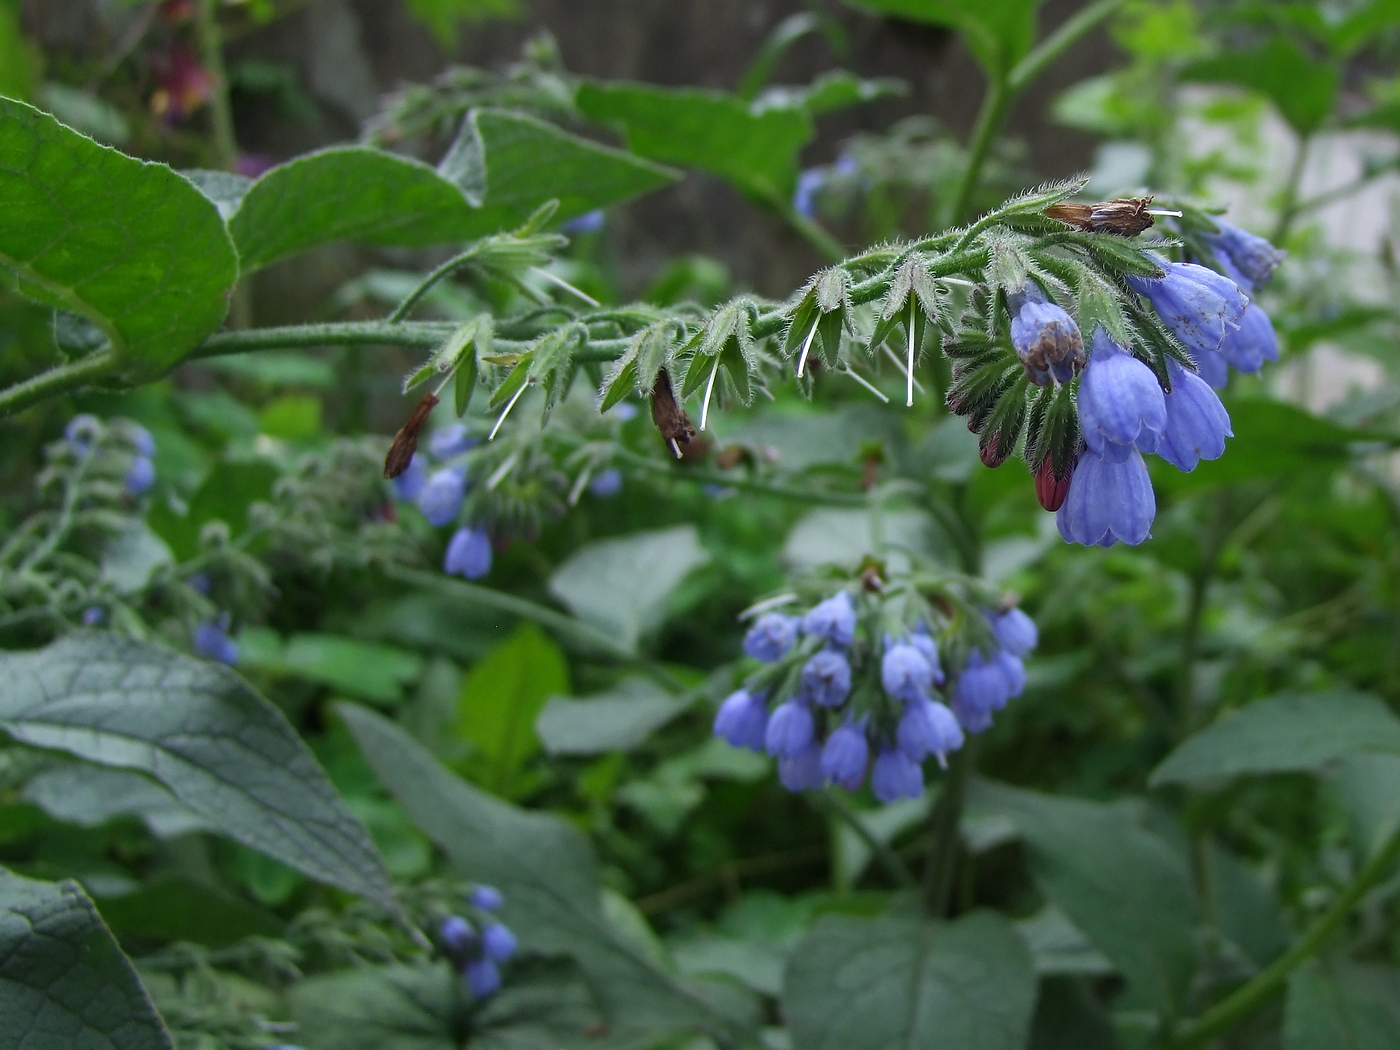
487	898
981	689
1013	672
1247	347
1045	337
771	636
790	729
896	776
468	554
93	615
742	720
804	198
450	441
905	673
845	756
928	728
589	222
802	771
1253	256
1014	631
1197	304
1109	501
483	978
497	942
457	934
141	475
1211	366
921	640
142	441
1197	423
408	486
212	642
833	619
201	582
82	431
1120	400
606	483
441	498
826	679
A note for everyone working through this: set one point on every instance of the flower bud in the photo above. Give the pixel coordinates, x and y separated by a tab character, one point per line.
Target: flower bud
483	978
845	756
468	554
1045	337
771	636
896	776
790	729
1197	423
826	679
742	720
905	674
833	619
1051	485
802	771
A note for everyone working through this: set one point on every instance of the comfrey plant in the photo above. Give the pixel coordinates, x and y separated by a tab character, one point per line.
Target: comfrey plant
478	946
876	678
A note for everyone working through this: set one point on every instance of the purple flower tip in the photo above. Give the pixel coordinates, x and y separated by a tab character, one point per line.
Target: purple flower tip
802	771
487	898
468	554
1015	631
845	756
1120	400
896	776
742	720
141	475
771	636
606	483
1197	423
457	934
826	679
497	942
790	729
442	495
1045	338
211	641
408	486
905	673
450	441
483	978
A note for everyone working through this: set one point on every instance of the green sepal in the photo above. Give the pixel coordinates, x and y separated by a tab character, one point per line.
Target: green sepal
1052	427
1098	305
1001	431
516	379
552	362
725	340
464	384
649	351
1009	267
825	302
972	345
974	392
1112	253
912	283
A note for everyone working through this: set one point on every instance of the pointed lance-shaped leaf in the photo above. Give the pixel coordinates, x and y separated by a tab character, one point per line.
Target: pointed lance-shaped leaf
1112	254
912	286
481	345
514	381
1052	431
822	313
1035	201
635	371
725	342
552	361
1002	431
975	392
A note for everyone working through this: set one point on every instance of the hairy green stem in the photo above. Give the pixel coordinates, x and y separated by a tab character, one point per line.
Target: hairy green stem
836	803
767	488
56	381
1082	22
945	842
1288	207
426	285
1244	1000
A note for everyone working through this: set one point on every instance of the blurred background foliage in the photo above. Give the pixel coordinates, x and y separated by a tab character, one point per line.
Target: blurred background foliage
1275	569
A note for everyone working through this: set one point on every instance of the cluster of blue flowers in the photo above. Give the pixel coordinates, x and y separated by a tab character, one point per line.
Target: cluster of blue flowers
478	949
83	433
831	696
440	490
212	641
1123	410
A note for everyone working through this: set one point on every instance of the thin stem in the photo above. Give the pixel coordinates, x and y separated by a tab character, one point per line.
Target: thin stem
767	488
211	46
426	285
836	803
1288	207
989	121
56	381
1254	993
1084	21
944	841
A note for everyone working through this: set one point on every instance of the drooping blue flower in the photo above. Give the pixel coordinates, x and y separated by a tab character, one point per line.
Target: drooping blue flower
408	486
468	553
450	441
790	729
1197	304
771	636
93	615
588	222
833	619
487	898
457	934
980	689
1013	672
1254	257
441	498
845	756
81	432
921	640
1247	347
742	720
928	728
826	679
1211	367
1108	501
802	771
804	197
1045	337
201	582
483	978
1014	631
141	475
606	483
142	441
896	776
1120	400
905	672
212	642
497	942
1197	423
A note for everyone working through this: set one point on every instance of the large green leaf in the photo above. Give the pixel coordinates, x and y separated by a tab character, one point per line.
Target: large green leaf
617	720
364	670
521	163
898	982
1302	88
345	193
1369	785
63	980
195	726
500	698
544	867
1124	887
1283	734
754	149
131	246
622	585
999	33
1342	1006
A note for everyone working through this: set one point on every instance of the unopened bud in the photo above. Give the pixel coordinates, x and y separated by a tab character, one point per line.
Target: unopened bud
1051	486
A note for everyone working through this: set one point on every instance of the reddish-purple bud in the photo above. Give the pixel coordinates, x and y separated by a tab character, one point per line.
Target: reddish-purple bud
1051	487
